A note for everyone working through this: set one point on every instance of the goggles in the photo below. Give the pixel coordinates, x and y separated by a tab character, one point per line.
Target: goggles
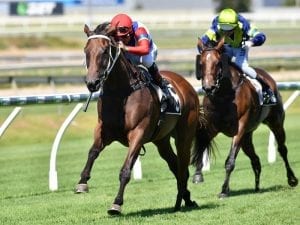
123	30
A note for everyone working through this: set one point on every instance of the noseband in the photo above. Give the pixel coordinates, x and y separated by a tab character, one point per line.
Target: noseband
112	59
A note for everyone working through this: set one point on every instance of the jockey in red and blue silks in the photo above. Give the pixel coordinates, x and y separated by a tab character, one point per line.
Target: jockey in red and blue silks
239	36
135	39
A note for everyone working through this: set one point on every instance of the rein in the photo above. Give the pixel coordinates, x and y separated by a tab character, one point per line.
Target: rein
112	60
111	63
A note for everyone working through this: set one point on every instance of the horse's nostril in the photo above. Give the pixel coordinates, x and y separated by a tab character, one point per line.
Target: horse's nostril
93	85
97	83
208	89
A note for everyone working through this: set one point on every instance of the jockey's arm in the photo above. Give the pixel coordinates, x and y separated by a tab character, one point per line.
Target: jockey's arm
256	37
142	47
211	33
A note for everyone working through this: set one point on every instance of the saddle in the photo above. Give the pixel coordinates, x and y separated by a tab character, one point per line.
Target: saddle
170	105
258	87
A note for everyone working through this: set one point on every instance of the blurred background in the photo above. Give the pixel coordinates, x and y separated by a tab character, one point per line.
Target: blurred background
41	41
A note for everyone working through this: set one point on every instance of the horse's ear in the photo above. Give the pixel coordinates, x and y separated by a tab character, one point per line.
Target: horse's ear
200	45
220	44
87	30
198	64
111	30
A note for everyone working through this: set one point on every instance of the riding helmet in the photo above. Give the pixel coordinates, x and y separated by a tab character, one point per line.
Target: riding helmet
228	19
123	24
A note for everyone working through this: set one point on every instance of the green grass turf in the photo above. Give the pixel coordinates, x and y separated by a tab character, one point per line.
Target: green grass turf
26	199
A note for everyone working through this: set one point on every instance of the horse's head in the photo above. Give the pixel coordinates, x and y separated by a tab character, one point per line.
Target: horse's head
100	58
209	66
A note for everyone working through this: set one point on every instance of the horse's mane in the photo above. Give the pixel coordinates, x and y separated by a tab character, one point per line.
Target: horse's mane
105	29
211	44
102	28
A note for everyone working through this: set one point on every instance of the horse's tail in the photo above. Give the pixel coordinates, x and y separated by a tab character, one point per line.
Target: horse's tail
203	140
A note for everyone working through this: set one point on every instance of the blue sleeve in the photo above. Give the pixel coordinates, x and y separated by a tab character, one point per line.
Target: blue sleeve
250	32
259	39
210	34
245	24
205	39
214	24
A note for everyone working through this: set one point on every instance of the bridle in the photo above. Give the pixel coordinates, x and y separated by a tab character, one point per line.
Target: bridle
111	63
219	74
112	59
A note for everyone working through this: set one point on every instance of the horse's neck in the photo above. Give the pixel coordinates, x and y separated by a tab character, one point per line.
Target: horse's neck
232	72
121	77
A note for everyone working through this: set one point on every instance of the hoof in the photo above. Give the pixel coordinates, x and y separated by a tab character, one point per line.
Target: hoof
192	204
176	209
198	178
223	195
293	182
81	188
114	210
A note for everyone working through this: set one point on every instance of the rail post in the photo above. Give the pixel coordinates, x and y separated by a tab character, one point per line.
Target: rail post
53	182
9	119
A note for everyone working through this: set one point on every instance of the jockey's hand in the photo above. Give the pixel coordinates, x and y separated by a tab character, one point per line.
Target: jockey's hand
248	44
121	45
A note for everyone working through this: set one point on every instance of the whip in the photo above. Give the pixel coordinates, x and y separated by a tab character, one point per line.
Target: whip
87	102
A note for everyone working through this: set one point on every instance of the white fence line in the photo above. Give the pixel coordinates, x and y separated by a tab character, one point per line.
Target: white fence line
153	19
79	97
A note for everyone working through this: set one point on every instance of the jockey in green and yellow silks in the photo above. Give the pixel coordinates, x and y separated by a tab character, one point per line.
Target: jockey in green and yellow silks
239	36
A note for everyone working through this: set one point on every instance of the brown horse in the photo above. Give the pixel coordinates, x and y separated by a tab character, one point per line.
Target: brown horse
231	105
129	112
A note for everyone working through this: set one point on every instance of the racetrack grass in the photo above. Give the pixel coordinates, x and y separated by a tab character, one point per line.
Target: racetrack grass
26	199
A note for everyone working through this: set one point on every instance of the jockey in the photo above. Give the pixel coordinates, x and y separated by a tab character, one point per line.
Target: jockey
239	35
135	39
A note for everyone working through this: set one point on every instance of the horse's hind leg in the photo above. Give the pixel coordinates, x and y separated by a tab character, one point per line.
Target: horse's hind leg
183	146
175	165
248	148
198	175
282	149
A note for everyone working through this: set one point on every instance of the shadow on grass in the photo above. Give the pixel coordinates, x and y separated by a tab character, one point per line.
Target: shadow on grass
249	191
169	210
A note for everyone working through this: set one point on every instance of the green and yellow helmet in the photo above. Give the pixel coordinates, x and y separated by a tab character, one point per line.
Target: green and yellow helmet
228	19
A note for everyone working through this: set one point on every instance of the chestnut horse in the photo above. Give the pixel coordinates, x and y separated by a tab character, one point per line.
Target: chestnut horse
232	106
129	112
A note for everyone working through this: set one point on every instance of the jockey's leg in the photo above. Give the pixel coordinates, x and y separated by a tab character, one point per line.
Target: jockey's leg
242	61
156	76
269	96
158	80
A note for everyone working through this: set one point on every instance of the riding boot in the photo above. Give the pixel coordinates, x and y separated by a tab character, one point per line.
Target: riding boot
159	81
268	94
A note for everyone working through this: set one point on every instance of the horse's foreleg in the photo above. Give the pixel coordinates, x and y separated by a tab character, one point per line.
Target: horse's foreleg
124	178
94	152
82	186
249	150
229	167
